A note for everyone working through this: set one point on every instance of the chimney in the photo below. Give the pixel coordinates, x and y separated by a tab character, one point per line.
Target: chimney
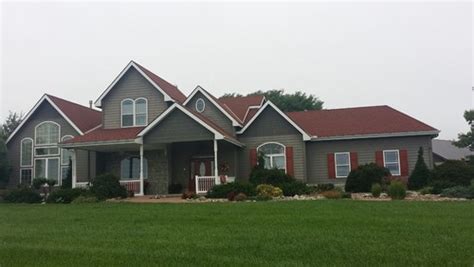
90	104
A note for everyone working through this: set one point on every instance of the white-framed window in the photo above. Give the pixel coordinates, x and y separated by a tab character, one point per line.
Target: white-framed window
26	175
130	168
46	151
66	153
274	155
64	173
200	105
47	133
47	168
391	160
26	152
141	112
342	164
127	112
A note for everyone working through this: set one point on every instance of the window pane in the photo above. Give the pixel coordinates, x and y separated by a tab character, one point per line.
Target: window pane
140	120
47	133
140	106
25	176
26	150
342	159
391	156
53	169
279	162
125	169
393	168
40	168
127	107
47	151
342	171
127	120
135	168
268	164
64	173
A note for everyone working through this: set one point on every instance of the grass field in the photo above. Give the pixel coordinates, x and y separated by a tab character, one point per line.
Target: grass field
294	233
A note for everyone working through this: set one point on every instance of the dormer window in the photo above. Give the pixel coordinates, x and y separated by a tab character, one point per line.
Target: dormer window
134	112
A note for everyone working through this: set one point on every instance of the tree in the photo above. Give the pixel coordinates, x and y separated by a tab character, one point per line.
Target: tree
4	164
421	174
10	124
467	139
297	101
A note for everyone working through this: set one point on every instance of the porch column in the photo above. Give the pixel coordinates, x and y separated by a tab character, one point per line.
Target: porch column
216	174
141	171
73	168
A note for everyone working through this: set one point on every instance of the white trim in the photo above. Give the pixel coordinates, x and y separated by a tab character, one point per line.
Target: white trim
367	136
21	152
200	89
216	163
349	163
59	133
199	100
273	155
142	188
98	102
99	143
306	137
398	157
121	113
74	168
135	111
163	115
93	129
47	159
47	147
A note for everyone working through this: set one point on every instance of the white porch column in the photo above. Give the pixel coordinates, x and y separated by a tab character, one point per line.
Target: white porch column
73	168
142	191
216	174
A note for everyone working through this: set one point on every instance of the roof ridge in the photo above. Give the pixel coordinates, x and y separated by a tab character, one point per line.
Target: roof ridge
334	109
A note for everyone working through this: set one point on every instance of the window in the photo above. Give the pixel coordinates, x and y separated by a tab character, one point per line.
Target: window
47	168
46	151
200	105
141	112
65	153
64	173
391	159
25	176
47	133
343	164
274	155
130	168
127	113
26	152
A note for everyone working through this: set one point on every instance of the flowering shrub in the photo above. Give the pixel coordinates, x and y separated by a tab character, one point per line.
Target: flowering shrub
269	190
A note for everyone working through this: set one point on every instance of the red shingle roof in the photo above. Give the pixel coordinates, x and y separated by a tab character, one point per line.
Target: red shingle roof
83	117
240	105
170	89
101	134
357	121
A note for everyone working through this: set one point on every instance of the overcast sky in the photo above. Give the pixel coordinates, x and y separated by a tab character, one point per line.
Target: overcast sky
414	57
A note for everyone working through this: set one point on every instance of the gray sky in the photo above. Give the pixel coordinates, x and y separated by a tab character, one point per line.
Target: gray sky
414	57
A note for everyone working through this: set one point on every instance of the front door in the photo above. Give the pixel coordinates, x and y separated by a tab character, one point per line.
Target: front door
199	167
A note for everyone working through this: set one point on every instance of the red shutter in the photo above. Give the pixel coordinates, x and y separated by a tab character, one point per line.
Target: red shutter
379	158
253	157
331	166
404	162
354	161
289	161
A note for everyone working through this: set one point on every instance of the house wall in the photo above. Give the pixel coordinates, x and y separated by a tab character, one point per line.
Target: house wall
212	113
271	127
317	166
132	85
45	112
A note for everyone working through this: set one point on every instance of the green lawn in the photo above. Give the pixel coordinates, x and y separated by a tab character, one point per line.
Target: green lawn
293	233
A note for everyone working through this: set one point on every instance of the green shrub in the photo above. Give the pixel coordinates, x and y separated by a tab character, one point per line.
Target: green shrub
23	195
324	187
240	197
269	190
263	198
421	175
175	188
452	173
426	190
189	195
294	188
397	190
222	190
376	190
269	176
65	195
39	182
439	186
107	186
459	192
362	179
332	194
84	199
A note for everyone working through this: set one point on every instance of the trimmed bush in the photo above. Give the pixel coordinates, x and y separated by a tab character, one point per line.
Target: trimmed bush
332	194
263	198
269	176
240	197
452	173
421	175
324	187
397	190
426	190
362	179
294	188
39	182
459	192
23	195
222	190
107	186
269	190
85	199
376	190
65	195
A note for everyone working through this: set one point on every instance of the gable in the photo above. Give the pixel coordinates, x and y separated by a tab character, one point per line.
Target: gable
269	123
177	127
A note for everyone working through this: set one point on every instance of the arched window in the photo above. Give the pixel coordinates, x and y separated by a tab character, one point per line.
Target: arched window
130	168
47	133
141	111
127	112
26	152
274	155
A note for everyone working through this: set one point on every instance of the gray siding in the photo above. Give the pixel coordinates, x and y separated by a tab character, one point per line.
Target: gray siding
317	153
45	112
132	85
212	113
177	127
270	123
